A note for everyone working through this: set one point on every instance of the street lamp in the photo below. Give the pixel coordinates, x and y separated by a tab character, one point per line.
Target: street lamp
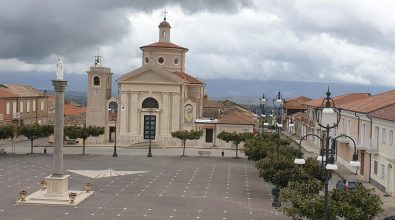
327	117
113	108
263	102
278	104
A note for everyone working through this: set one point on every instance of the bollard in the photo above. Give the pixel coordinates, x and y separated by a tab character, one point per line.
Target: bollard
223	154
45	150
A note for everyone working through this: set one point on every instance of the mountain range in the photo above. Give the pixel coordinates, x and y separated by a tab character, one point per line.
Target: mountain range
240	91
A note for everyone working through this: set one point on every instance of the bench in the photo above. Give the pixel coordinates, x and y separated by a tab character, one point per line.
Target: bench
2	151
71	141
204	152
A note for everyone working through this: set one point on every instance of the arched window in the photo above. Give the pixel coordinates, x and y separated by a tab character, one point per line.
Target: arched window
150	103
96	81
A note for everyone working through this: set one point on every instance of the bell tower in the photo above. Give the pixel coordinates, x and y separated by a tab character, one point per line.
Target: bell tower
164	30
99	91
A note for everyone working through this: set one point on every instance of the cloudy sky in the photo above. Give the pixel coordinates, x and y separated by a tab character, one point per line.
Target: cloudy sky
305	40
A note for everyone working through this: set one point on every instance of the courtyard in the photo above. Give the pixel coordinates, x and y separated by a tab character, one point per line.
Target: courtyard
165	186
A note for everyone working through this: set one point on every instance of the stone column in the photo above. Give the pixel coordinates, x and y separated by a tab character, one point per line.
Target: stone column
59	86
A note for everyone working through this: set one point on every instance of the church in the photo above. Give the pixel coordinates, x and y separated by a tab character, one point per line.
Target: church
153	101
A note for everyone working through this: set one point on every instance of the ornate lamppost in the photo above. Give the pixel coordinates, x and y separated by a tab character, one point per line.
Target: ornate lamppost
278	104
113	108
327	117
263	102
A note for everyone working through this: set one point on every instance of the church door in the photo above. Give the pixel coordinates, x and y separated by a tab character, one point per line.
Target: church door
209	135
149	127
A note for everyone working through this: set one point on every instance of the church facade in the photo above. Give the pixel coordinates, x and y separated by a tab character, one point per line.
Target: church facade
154	100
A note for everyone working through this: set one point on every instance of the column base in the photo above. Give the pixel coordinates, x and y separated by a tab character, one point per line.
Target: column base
56	194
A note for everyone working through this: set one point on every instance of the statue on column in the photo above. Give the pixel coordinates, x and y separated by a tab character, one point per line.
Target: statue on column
59	69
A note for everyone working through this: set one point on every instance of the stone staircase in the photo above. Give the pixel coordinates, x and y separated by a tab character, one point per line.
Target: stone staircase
145	144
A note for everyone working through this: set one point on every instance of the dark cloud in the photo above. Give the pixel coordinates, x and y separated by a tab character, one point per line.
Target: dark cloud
35	29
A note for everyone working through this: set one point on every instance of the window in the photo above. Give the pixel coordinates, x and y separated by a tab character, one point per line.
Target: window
28	106
161	60
176	61
96	81
14	106
375	166
41	106
34	105
382	171
363	134
21	106
383	135
7	108
150	103
390	137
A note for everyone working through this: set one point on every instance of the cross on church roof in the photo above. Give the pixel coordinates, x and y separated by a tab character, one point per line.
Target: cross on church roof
164	14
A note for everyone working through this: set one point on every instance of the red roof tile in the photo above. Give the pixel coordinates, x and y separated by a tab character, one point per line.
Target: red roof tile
235	118
164	45
188	78
371	103
70	109
386	113
339	100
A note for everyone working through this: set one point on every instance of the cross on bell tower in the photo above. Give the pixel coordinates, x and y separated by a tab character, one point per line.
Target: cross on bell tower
164	14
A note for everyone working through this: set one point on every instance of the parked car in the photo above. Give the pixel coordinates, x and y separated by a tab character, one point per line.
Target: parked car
347	184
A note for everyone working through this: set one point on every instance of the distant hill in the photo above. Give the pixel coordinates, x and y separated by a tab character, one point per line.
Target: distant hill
241	91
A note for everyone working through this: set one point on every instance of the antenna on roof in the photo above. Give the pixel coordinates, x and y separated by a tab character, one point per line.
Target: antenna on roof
164	14
98	57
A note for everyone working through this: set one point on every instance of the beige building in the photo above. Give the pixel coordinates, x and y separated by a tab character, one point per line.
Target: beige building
154	100
157	99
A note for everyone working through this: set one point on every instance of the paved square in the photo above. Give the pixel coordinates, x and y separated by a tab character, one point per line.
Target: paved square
173	187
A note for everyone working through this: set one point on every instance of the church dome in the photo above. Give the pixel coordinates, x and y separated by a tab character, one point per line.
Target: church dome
164	23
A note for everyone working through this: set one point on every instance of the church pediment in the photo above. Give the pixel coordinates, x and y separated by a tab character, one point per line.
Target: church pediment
150	74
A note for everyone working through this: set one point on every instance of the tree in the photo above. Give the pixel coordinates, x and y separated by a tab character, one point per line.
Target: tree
235	138
7	131
75	132
186	135
33	131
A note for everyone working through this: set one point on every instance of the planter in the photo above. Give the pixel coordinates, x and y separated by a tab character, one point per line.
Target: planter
88	187
72	197
22	195
43	184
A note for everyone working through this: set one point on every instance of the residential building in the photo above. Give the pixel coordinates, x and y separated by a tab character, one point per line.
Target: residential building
21	104
370	134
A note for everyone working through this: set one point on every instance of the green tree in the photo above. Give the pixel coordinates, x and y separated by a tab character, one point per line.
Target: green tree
235	138
34	130
7	131
84	133
186	135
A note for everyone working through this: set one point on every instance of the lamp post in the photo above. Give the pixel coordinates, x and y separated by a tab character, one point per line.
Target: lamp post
263	102
278	104
113	108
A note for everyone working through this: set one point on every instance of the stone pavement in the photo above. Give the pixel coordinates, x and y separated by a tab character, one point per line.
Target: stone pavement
172	187
344	173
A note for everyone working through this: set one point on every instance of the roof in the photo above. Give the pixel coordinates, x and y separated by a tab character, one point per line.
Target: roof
339	100
236	118
164	45
5	93
386	113
188	78
23	90
296	102
211	107
164	23
371	103
72	109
